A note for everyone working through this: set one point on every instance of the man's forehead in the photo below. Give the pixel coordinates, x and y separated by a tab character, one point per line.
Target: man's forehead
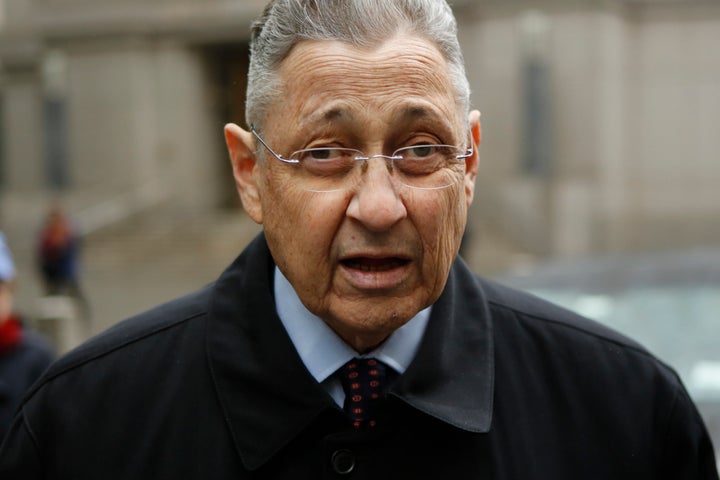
332	81
399	47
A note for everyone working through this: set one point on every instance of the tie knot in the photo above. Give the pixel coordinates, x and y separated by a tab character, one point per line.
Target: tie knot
363	380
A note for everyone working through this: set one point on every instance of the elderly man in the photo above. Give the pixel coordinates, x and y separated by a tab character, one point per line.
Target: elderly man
348	340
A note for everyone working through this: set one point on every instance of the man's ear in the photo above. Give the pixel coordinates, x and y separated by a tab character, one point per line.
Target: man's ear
245	169
473	163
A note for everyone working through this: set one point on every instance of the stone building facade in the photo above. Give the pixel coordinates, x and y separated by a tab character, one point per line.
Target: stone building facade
600	118
628	113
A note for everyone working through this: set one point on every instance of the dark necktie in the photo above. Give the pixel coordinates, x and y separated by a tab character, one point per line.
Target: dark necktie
363	380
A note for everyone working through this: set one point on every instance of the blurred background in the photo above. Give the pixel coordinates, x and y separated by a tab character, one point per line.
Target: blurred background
600	161
600	137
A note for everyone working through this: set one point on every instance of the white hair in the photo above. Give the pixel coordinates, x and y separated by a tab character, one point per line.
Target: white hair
365	23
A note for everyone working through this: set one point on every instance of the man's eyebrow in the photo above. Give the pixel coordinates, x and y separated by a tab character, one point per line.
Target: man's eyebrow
340	113
414	112
337	114
333	114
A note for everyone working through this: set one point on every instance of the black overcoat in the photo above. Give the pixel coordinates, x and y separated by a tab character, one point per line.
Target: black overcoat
504	386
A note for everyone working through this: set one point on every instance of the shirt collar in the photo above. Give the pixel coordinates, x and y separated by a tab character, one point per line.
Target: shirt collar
323	352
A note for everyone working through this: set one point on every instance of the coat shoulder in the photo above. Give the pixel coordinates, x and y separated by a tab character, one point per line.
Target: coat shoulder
139	328
541	333
531	312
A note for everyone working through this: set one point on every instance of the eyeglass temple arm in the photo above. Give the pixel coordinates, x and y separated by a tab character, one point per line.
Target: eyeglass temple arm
470	150
276	155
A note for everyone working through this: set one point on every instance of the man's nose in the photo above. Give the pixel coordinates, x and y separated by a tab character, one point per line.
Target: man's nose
376	201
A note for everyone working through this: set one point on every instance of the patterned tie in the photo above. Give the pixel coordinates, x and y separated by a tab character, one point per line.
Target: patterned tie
363	380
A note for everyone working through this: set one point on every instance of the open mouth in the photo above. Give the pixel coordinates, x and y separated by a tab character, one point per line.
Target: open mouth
366	264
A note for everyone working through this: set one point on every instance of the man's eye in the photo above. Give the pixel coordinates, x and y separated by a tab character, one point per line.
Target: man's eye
420	151
327	161
319	154
324	154
422	159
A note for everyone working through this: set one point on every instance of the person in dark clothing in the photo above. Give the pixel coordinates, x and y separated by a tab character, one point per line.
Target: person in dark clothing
58	254
24	354
349	340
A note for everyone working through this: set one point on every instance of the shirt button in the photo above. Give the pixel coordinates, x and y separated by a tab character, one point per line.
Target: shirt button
343	462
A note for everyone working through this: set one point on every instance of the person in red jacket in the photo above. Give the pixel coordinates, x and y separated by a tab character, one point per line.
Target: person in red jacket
24	354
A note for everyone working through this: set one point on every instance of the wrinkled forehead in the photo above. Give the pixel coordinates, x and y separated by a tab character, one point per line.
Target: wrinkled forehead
406	75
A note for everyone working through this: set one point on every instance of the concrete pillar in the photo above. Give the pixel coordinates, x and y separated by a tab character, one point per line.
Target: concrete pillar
615	50
22	122
188	133
110	111
138	116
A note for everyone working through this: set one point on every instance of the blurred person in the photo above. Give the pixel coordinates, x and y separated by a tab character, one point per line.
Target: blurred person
24	354
59	258
349	339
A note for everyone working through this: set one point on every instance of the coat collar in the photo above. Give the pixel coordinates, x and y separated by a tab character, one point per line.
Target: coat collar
259	376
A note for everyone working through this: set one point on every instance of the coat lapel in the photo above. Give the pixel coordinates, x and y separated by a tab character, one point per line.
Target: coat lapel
264	388
452	377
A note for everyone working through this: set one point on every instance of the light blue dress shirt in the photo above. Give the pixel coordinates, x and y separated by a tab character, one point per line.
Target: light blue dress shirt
323	352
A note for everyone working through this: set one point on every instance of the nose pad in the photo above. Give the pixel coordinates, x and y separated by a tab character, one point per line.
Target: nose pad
368	174
389	163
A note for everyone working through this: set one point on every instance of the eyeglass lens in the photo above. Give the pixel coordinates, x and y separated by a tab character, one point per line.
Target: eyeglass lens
423	167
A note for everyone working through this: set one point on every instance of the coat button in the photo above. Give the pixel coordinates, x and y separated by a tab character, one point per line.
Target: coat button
343	462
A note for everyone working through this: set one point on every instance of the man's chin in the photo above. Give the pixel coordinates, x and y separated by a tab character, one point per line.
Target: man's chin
366	326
